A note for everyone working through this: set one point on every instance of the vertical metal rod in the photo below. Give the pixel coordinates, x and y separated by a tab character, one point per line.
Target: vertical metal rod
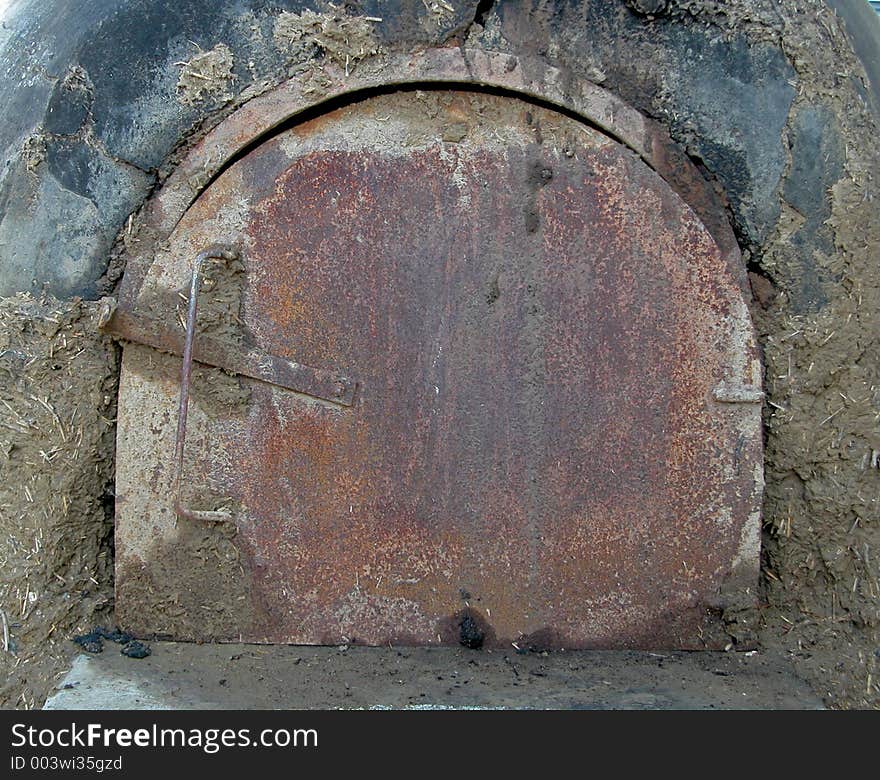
214	252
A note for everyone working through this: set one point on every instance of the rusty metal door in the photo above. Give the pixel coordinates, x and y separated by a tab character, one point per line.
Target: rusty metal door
518	409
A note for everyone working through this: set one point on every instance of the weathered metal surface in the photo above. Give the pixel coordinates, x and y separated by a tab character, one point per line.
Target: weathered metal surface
555	439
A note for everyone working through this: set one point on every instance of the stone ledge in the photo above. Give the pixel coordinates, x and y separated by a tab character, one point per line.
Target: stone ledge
220	676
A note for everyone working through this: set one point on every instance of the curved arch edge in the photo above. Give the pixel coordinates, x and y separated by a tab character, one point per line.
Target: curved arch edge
529	77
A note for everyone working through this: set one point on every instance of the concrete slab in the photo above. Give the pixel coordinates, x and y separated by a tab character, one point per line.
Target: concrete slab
230	676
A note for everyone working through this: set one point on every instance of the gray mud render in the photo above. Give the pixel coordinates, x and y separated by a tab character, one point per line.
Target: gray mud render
770	99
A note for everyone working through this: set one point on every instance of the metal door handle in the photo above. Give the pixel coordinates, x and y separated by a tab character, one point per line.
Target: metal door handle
214	252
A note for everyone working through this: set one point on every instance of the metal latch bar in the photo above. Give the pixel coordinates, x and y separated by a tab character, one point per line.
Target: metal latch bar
315	382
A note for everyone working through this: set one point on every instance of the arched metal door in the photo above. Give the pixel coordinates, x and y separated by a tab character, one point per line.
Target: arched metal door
519	409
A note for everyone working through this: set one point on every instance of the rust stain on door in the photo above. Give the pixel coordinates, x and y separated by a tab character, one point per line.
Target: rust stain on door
537	450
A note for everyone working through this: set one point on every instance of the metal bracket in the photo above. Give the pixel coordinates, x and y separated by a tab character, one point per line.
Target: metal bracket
730	393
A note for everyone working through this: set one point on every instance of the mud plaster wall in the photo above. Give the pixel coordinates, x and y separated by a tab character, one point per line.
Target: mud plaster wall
767	97
57	425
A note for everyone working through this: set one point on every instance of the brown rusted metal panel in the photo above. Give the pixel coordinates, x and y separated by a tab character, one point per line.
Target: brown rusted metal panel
555	438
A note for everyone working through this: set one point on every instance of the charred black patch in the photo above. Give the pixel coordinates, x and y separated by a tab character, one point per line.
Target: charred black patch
135	649
468	628
93	642
470	633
